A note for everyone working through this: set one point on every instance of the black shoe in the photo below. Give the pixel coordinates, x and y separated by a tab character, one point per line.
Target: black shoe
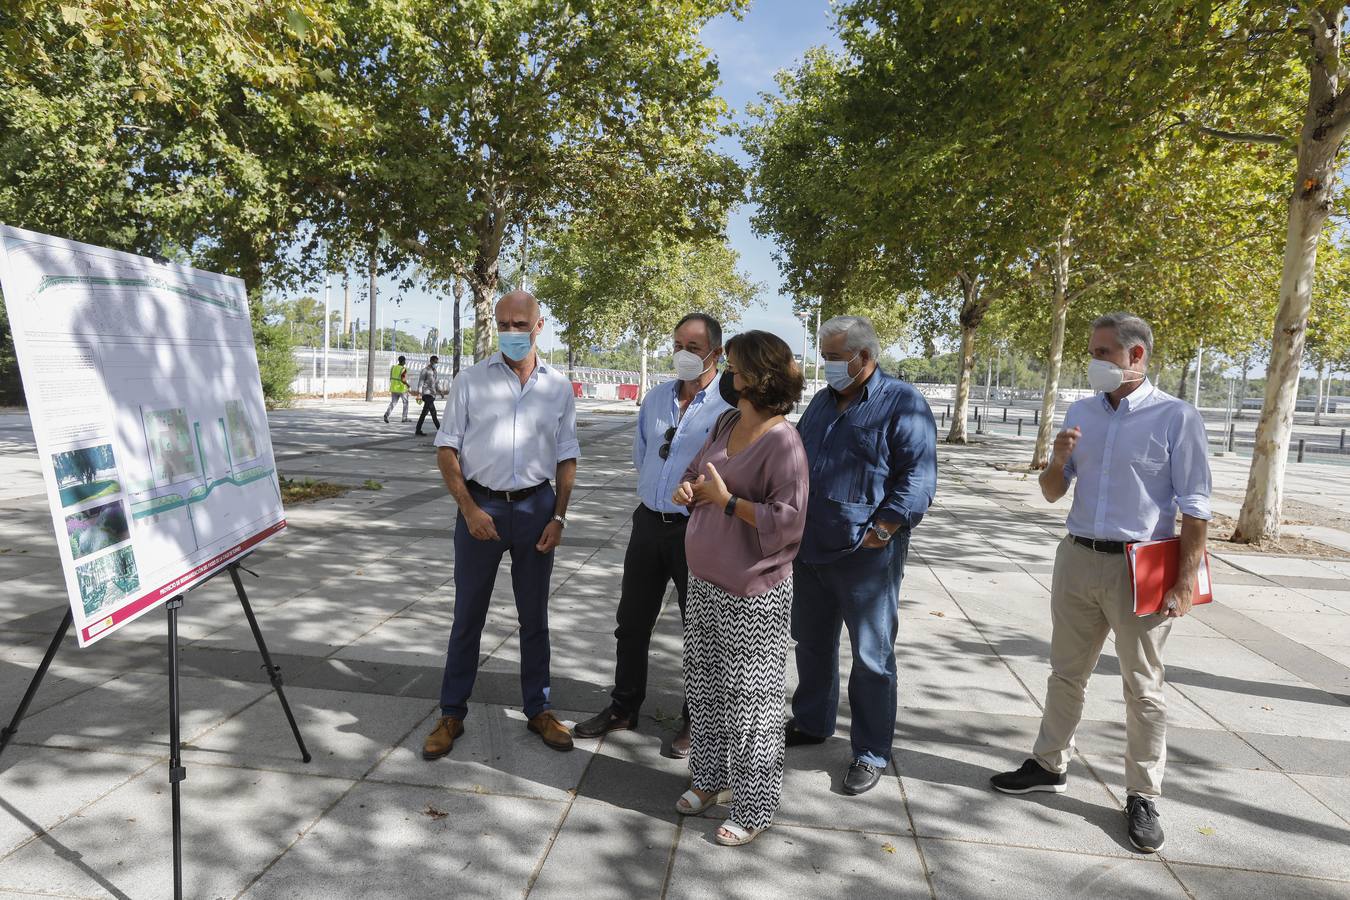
1145	831
420	433
604	722
1031	777
796	738
861	777
386	420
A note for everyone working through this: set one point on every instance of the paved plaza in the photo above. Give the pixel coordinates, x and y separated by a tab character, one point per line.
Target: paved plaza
355	599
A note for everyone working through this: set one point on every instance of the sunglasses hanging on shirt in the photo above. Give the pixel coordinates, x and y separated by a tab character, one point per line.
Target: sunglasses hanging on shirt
664	452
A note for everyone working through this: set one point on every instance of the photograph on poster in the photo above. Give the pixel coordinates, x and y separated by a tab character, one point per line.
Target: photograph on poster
95	529
107	579
85	474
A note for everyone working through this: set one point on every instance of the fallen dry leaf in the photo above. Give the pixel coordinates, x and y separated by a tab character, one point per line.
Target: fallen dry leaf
888	847
1207	831
434	813
940	615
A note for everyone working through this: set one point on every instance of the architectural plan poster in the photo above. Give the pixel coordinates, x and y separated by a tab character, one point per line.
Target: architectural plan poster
143	390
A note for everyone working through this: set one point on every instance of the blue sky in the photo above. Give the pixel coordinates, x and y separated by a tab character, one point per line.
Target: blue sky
772	35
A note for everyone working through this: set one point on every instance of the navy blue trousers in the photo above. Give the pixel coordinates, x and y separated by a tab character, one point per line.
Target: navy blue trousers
519	525
860	591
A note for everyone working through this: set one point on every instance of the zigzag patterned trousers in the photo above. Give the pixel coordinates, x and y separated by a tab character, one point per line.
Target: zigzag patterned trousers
735	678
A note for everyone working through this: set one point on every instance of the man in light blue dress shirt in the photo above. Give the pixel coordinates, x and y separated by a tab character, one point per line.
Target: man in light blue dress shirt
673	424
510	426
1139	457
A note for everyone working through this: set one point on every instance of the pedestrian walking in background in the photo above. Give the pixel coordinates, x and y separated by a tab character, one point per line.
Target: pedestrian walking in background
747	491
398	388
428	388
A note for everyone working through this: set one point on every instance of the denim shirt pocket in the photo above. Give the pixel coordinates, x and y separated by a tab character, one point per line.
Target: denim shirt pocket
864	455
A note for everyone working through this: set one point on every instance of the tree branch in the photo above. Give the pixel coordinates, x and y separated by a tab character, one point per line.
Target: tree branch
1241	137
1154	262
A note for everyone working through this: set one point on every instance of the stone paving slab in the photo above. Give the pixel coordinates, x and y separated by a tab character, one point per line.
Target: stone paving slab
237	820
389	840
981	871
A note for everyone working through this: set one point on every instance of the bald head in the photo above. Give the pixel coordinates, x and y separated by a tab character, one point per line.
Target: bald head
518	311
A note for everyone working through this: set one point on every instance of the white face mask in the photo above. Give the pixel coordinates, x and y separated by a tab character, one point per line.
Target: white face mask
836	373
1107	376
689	367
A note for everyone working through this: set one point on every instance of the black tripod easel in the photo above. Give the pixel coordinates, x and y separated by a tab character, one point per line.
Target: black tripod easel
177	771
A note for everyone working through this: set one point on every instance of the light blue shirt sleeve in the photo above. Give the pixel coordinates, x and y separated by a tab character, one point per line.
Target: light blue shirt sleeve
568	445
1191	479
640	439
455	420
1070	421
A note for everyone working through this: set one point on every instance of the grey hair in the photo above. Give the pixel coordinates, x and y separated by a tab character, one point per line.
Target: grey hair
1131	331
860	335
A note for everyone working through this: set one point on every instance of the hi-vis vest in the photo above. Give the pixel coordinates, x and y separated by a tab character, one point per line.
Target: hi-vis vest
396	374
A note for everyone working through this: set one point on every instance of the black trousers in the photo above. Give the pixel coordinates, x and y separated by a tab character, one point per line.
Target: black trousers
655	557
428	406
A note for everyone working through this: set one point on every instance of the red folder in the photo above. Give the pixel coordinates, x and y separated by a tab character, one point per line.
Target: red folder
1153	571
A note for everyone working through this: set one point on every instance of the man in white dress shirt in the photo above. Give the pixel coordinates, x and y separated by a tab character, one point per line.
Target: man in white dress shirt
1139	457
509	427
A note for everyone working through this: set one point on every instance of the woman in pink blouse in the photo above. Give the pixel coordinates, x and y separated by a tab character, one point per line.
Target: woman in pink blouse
747	493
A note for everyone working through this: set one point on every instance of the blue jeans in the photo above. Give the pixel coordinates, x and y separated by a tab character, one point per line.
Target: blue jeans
860	591
519	525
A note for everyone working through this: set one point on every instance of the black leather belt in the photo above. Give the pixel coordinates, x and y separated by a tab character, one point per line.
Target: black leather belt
1101	546
508	496
666	518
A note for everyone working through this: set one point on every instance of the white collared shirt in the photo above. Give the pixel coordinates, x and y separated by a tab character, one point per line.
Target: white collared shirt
1136	465
510	435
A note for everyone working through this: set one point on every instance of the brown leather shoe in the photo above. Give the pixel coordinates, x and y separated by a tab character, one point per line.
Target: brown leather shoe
554	733
442	738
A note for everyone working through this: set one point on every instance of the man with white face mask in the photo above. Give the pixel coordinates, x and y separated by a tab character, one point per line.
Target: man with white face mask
872	445
1139	457
673	424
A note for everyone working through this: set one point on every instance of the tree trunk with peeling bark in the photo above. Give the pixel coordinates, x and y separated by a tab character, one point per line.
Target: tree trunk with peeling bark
1045	432
973	307
1324	128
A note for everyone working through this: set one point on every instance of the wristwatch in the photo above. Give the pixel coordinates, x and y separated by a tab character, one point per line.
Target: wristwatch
731	506
882	534
560	520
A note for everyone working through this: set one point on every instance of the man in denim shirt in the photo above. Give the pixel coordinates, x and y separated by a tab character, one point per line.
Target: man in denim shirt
872	445
672	427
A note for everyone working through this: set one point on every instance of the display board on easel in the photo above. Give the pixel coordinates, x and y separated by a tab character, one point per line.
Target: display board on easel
147	409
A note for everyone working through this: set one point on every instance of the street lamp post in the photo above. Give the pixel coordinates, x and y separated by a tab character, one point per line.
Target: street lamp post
327	287
805	316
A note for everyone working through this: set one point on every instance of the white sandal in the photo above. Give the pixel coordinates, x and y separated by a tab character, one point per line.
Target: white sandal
690	804
739	835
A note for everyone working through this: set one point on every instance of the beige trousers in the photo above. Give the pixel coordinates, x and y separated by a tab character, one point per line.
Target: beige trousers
1090	595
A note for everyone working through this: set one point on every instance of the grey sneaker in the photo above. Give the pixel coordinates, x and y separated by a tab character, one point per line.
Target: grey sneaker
1145	831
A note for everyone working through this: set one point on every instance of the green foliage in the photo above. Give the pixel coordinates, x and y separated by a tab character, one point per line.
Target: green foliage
600	291
276	358
11	388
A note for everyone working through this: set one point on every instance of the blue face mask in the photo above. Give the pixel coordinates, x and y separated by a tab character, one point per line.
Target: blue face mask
836	373
515	345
